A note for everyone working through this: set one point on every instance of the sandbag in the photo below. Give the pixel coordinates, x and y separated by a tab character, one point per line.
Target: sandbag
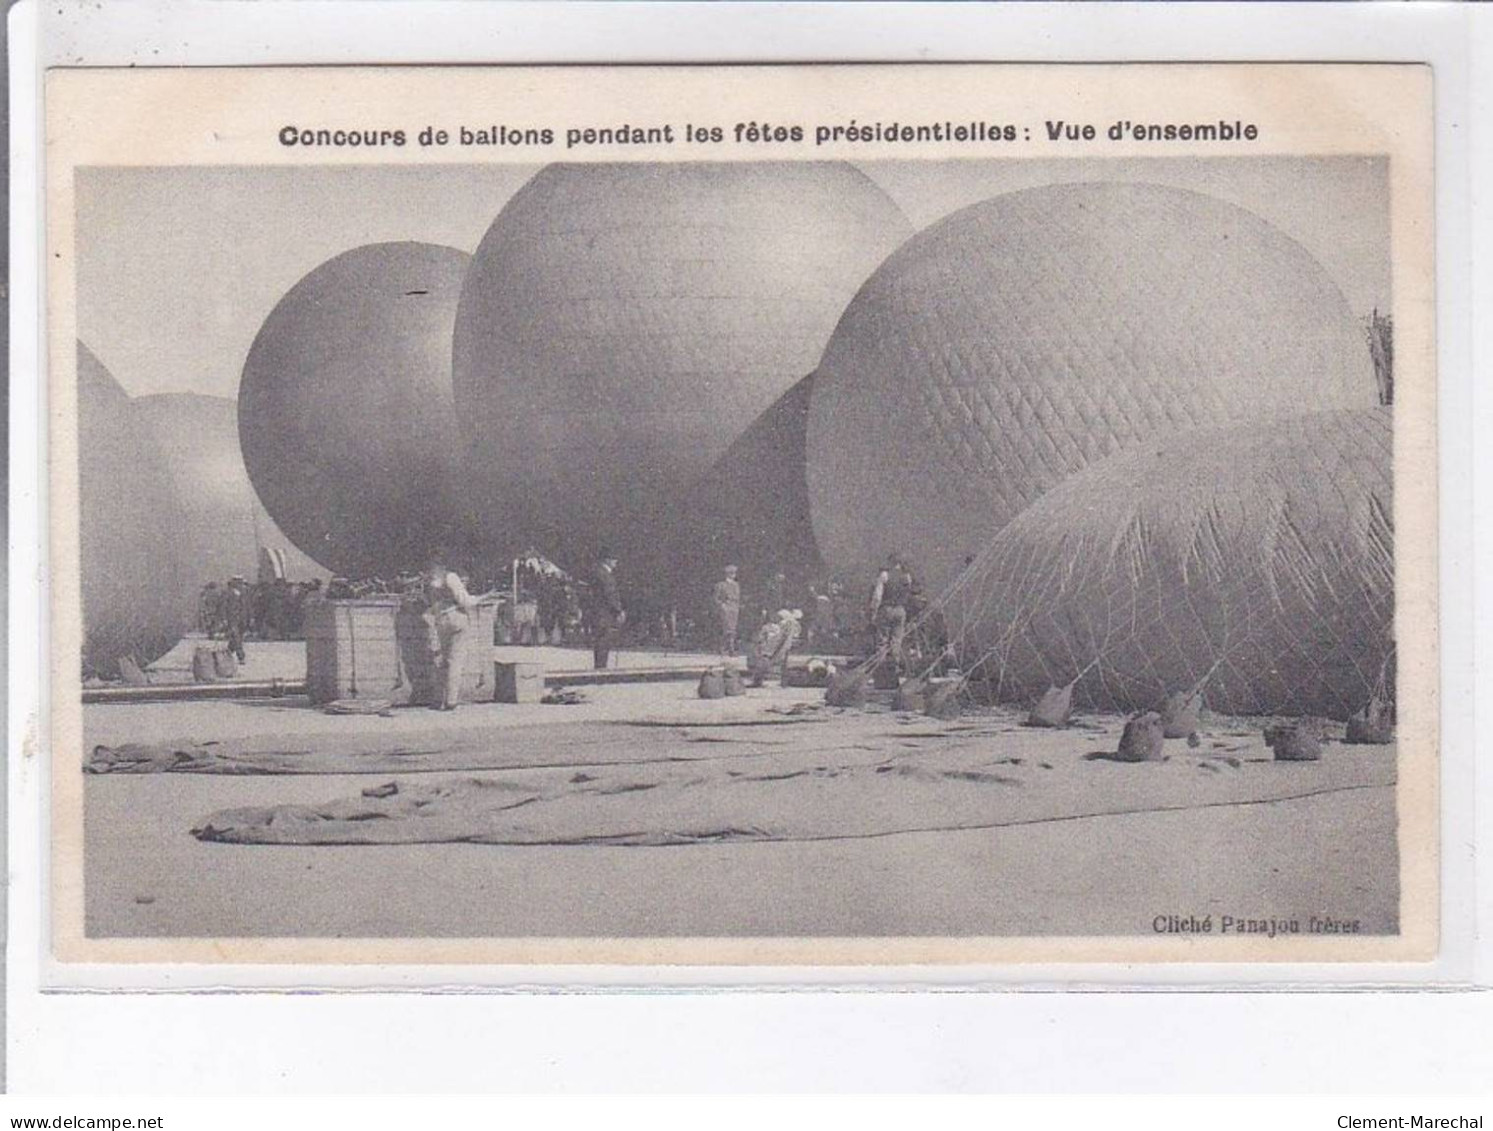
1372	726
1182	714
943	700
1053	709
131	672
712	685
225	664
911	695
884	676
847	688
1142	740
732	683
204	668
1294	742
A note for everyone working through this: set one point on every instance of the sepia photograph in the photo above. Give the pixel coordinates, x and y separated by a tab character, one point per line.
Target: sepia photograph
581	543
558	550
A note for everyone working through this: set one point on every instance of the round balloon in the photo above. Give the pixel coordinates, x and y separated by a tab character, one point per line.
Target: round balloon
345	414
623	324
1254	562
1022	338
224	525
130	568
751	510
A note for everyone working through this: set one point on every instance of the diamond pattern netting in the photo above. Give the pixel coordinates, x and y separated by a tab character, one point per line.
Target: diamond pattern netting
1257	560
1021	339
622	325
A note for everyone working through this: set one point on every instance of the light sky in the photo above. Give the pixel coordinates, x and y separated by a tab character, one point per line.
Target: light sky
178	267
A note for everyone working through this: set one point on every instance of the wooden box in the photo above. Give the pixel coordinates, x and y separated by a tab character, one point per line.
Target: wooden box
518	682
379	648
352	651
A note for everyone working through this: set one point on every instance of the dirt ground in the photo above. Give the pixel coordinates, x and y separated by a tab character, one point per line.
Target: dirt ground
933	849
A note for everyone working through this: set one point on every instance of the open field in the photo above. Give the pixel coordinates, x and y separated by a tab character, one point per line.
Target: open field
819	824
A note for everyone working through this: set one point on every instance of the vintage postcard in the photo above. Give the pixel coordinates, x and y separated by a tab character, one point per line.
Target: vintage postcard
815	515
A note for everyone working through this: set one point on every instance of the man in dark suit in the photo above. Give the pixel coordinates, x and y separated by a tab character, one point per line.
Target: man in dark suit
607	613
235	612
889	599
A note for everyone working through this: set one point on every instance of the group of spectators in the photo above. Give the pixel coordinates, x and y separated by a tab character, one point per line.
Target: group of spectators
896	620
830	619
548	609
268	610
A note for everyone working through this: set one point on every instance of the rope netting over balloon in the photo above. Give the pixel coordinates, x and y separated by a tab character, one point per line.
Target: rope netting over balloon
623	324
1255	564
1024	338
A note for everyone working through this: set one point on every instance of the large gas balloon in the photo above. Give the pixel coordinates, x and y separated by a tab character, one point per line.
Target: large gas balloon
622	325
1255	562
131	572
224	525
1022	338
751	510
346	419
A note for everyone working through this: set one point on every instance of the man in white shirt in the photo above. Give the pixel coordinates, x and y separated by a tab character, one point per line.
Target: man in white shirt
449	613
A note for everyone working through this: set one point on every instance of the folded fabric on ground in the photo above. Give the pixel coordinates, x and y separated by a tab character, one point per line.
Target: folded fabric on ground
443	749
342	757
852	792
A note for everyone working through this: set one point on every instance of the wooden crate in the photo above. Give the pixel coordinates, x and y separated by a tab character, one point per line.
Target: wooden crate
352	651
518	682
379	648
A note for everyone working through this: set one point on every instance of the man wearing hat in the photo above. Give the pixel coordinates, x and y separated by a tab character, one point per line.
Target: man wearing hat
773	642
235	612
728	606
606	613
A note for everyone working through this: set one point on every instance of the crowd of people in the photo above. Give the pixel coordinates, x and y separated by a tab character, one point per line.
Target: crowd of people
268	610
761	620
897	622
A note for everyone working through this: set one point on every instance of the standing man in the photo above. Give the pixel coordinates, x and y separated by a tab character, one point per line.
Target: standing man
235	612
551	608
728	606
821	626
841	611
448	614
874	600
209	610
889	598
276	610
607	614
